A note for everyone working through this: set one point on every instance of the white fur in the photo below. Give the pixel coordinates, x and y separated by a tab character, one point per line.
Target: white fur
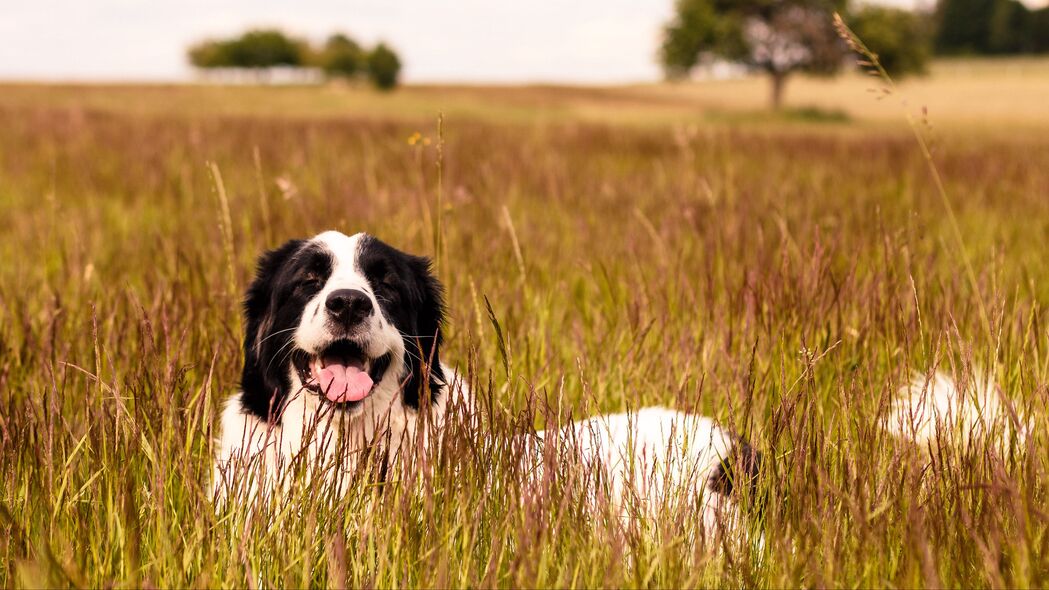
654	457
937	409
313	333
650	450
652	461
254	456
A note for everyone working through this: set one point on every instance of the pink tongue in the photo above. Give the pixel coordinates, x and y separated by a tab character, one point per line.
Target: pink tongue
344	383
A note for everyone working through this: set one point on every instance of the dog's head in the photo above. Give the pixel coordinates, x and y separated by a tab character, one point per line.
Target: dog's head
344	321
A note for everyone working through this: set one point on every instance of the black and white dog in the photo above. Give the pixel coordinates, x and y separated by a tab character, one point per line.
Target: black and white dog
342	352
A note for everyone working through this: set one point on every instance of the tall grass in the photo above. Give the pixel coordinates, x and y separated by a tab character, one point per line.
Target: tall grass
785	280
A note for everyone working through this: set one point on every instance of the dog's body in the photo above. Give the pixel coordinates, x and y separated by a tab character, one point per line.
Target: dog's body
658	460
935	410
342	359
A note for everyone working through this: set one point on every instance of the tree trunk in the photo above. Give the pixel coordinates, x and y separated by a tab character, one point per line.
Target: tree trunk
779	80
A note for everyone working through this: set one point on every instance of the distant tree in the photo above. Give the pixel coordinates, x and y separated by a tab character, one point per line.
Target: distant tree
257	50
901	38
1040	30
990	27
267	49
778	37
261	50
963	25
1009	30
341	57
384	67
210	54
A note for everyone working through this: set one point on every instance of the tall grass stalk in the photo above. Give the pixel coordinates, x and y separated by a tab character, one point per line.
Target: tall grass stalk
438	244
873	64
225	223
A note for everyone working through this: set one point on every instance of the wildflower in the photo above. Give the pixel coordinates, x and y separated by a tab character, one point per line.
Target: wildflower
418	138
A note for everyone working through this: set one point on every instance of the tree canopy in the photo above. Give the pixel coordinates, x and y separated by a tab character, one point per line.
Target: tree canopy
342	57
900	38
256	49
778	37
990	26
384	67
263	49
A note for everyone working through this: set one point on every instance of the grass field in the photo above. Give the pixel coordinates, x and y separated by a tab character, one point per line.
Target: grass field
1000	96
638	246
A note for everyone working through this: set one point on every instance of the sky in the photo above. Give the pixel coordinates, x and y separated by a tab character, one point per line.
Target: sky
496	41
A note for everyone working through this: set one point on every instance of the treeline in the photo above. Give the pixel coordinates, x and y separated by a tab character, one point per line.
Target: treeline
262	50
990	27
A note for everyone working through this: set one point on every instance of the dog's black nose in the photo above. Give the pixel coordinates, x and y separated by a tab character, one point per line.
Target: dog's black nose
348	306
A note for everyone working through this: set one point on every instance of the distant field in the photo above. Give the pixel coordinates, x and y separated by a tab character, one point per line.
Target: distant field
646	245
989	95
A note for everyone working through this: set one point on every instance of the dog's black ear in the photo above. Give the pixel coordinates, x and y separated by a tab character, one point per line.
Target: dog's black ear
423	345
739	471
263	385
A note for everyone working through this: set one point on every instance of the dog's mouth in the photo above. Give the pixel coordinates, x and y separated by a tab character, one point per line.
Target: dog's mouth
342	373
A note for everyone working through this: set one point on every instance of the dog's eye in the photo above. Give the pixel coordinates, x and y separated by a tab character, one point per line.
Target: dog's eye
386	291
311	280
389	284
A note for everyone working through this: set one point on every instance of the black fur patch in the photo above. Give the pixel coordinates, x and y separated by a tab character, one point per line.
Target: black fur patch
739	469
411	299
286	279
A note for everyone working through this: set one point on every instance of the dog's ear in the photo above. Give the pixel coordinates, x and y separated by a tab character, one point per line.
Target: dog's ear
423	346
263	387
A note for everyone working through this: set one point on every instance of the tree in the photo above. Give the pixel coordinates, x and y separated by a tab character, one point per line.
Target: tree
341	57
1040	30
963	25
210	54
990	26
899	37
258	49
384	67
778	37
268	49
1009	30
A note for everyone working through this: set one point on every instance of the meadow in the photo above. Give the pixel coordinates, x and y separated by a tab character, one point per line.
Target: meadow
602	249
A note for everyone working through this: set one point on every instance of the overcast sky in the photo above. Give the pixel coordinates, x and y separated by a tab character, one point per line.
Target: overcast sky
587	41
